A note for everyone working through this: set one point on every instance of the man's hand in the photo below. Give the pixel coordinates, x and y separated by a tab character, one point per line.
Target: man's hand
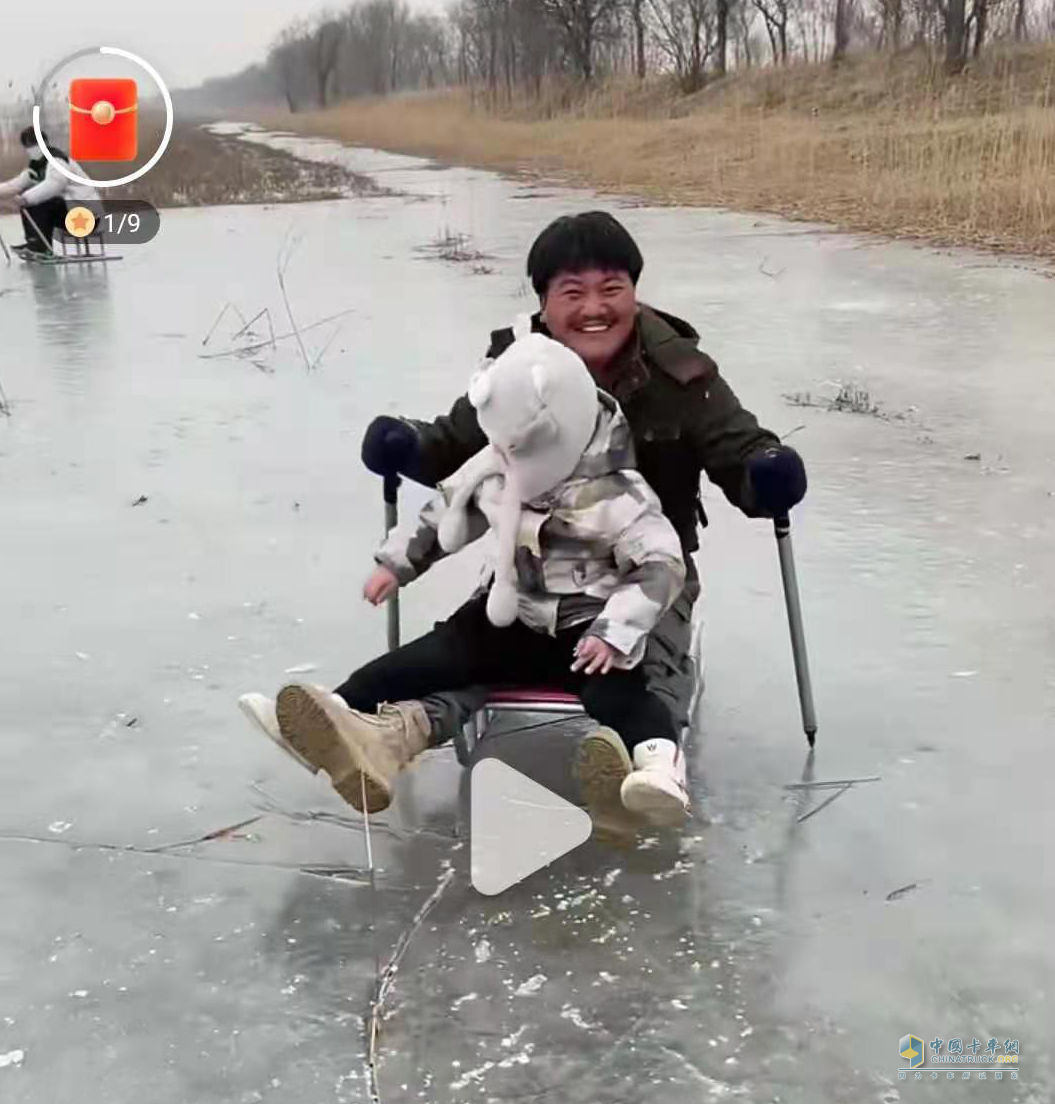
778	477
381	585
18	200
593	656
389	445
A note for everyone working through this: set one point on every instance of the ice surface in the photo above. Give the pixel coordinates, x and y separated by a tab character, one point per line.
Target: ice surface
926	584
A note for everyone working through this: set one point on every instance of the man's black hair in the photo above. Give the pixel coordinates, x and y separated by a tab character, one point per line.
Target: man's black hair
28	138
573	243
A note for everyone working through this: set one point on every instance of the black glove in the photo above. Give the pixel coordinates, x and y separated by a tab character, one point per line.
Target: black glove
389	446
778	478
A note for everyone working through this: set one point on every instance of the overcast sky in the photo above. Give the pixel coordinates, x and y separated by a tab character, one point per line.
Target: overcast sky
185	41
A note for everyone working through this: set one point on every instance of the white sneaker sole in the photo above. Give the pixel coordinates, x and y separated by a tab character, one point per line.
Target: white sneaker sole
248	706
657	805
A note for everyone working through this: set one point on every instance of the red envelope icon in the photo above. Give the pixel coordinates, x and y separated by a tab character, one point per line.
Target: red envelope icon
103	119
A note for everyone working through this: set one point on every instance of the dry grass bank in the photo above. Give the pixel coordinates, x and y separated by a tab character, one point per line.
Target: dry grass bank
885	144
204	169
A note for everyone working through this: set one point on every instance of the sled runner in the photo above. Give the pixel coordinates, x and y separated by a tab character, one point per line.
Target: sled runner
82	254
52	259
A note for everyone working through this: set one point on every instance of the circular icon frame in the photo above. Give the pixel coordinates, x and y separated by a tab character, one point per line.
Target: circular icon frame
80	211
56	164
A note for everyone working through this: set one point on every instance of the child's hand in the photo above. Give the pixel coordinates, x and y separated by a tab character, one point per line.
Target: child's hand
593	656
381	585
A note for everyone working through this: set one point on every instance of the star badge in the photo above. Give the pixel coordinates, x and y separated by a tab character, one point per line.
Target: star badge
80	222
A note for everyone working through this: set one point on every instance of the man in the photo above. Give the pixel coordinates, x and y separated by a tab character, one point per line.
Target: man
42	193
684	420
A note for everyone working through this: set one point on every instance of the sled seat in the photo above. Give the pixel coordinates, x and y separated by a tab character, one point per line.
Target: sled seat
515	699
537	699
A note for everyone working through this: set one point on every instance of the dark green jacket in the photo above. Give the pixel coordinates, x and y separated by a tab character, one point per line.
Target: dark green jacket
683	416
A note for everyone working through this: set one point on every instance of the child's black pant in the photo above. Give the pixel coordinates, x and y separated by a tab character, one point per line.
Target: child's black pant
467	650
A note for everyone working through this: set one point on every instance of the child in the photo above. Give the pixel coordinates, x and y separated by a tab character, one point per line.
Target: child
586	564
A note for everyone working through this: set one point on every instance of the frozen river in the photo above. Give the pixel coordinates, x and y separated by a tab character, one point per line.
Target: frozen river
760	956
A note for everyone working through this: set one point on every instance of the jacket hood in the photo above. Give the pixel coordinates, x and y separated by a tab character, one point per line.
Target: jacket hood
611	447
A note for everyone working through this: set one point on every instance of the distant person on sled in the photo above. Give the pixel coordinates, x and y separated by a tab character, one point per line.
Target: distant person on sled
682	420
43	194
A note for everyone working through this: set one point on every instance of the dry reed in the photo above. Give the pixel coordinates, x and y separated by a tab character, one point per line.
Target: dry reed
886	143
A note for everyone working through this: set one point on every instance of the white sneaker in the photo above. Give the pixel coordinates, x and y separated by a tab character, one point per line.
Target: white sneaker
656	788
260	709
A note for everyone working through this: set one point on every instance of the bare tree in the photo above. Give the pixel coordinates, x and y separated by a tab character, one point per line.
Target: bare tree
721	36
539	47
378	26
775	14
892	16
467	34
977	25
954	12
324	43
685	33
743	19
517	47
285	63
637	8
582	23
842	30
399	15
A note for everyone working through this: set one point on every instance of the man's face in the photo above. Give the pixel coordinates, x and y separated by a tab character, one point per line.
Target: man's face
592	312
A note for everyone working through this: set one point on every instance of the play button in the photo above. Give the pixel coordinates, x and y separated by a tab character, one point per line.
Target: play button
517	826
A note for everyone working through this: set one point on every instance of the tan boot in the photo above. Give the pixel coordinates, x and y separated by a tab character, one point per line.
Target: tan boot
362	753
602	763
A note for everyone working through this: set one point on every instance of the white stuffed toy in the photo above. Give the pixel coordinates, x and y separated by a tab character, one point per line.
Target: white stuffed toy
537	404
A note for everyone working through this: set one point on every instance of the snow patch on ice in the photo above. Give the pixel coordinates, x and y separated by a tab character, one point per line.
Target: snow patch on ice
469	1076
512	1040
520	1059
532	985
682	866
576	1017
